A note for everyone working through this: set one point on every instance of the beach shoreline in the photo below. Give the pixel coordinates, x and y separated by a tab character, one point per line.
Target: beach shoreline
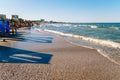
100	52
67	61
108	56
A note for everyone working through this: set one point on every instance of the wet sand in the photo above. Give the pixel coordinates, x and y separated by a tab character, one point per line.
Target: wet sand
51	57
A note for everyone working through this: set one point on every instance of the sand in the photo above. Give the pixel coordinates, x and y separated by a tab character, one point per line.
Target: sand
53	58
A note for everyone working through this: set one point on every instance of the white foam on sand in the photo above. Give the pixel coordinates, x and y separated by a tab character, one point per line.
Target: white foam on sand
97	41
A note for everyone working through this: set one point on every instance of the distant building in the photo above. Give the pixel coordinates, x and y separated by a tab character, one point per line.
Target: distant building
15	17
2	16
52	22
42	20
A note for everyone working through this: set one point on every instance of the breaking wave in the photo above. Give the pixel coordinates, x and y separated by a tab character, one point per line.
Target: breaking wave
62	25
93	40
93	26
114	28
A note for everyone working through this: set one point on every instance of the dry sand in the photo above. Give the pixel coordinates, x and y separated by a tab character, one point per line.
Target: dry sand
55	60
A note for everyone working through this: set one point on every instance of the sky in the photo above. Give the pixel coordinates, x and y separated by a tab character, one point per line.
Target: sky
63	10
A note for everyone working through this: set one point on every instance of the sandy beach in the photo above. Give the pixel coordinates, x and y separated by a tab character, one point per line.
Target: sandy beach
41	55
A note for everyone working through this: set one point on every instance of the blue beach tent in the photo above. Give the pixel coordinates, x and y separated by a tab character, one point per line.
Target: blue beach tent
7	27
4	27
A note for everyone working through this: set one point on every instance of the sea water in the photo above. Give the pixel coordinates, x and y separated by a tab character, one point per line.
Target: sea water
101	36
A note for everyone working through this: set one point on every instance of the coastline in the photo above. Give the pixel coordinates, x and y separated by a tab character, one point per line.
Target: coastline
100	52
97	44
68	61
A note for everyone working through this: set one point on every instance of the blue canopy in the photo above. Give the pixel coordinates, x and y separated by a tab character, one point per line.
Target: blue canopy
7	27
4	27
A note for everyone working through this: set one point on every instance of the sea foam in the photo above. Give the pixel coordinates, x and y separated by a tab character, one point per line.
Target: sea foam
97	41
114	28
93	26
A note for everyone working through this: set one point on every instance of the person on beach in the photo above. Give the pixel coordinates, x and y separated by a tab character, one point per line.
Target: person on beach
13	25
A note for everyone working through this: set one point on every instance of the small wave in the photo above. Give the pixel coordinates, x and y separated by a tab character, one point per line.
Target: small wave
82	25
114	28
56	25
97	41
93	26
61	25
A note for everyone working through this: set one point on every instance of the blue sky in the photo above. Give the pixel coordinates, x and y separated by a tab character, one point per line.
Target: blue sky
64	10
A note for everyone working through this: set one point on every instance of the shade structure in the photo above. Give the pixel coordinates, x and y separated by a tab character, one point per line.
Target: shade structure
4	27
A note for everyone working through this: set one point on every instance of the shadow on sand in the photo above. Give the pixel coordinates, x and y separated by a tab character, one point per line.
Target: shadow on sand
29	38
13	55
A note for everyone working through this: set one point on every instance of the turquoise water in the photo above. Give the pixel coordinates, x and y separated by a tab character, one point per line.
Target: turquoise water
105	37
104	31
